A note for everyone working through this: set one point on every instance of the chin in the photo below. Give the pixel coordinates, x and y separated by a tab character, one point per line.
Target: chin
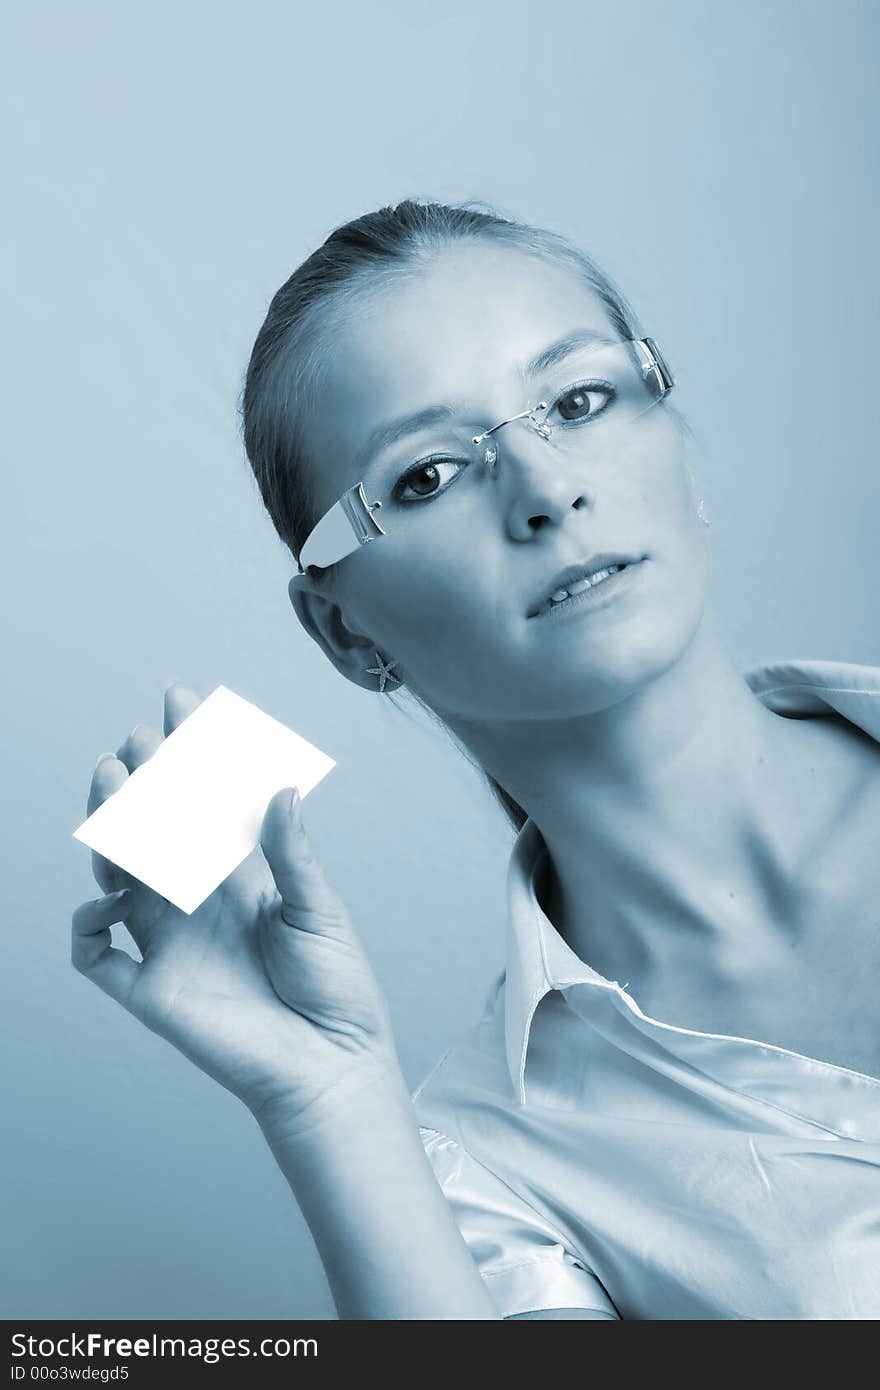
594	674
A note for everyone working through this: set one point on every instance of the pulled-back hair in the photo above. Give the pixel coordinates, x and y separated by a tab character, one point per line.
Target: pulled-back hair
360	258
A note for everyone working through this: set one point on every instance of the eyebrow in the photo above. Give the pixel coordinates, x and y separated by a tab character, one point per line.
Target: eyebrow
390	431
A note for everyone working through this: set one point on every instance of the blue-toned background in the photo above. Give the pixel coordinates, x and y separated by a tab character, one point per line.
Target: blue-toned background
165	170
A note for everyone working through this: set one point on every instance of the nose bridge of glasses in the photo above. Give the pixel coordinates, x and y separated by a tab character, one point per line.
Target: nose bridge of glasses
535	422
533	415
529	413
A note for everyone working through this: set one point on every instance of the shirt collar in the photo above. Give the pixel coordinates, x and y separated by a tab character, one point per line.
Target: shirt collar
538	959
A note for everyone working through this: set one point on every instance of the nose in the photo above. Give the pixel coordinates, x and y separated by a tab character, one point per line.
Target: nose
539	482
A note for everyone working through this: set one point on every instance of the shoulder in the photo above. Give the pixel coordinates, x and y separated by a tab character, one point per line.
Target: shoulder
844	761
474	1130
475	1066
489	1155
467	1111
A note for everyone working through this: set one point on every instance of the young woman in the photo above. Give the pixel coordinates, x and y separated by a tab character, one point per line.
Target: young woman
475	458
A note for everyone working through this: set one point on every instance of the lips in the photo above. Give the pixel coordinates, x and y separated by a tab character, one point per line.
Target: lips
574	574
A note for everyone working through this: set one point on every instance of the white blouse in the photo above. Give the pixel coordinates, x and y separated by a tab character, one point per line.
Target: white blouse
595	1157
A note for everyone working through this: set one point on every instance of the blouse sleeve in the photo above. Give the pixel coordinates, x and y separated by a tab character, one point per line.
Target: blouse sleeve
525	1266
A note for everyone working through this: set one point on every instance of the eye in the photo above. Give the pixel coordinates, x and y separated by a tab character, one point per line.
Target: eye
424	479
584	401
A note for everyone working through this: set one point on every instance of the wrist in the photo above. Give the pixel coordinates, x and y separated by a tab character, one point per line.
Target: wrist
382	1227
369	1092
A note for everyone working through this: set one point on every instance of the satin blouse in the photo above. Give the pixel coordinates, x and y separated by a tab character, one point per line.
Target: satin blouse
595	1157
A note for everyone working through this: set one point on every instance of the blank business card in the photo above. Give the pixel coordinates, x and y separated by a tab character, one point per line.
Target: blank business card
191	813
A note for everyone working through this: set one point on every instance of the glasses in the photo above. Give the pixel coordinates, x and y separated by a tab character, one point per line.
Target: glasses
595	398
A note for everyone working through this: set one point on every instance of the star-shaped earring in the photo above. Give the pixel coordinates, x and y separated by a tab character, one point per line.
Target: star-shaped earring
383	671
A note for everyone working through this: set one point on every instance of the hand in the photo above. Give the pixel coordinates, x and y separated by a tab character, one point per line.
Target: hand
265	986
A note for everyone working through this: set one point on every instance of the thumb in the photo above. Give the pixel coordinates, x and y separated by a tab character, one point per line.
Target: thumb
307	900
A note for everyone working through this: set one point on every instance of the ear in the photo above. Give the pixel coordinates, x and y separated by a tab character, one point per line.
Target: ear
322	619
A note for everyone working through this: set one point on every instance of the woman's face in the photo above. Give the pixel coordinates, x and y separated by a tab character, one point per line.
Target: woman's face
449	593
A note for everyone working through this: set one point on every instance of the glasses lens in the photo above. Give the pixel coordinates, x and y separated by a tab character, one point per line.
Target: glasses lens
593	397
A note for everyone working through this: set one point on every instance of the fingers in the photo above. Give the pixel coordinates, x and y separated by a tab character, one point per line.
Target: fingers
140	745
143	741
112	770
307	900
91	949
180	700
108	777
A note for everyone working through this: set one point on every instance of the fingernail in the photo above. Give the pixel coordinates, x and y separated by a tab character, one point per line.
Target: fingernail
295	802
104	757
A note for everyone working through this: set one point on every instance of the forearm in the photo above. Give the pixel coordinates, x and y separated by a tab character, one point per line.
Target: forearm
383	1229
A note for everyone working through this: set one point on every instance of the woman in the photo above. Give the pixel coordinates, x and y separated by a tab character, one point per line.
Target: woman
473	455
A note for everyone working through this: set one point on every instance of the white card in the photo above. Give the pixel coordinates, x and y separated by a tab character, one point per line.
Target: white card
189	815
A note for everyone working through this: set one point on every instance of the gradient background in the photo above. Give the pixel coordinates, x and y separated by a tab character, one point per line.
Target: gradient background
165	171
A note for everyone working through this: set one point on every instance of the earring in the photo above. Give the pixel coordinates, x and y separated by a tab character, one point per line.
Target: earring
383	671
701	513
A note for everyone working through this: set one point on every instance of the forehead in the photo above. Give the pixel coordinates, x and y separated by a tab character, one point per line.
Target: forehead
457	329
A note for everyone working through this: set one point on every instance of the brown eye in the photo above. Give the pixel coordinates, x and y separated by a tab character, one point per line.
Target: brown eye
584	402
424	480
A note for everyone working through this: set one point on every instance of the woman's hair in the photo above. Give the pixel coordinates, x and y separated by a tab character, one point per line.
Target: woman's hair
357	261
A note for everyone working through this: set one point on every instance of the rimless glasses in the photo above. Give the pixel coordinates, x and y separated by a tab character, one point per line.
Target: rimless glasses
591	402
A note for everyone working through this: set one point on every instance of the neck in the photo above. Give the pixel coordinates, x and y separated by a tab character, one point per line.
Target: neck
664	814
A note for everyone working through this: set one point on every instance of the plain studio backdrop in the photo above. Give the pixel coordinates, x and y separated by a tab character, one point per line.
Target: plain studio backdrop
164	172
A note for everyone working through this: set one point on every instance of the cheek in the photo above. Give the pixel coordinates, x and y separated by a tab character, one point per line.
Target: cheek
447	638
669	528
421	607
664	487
682	563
